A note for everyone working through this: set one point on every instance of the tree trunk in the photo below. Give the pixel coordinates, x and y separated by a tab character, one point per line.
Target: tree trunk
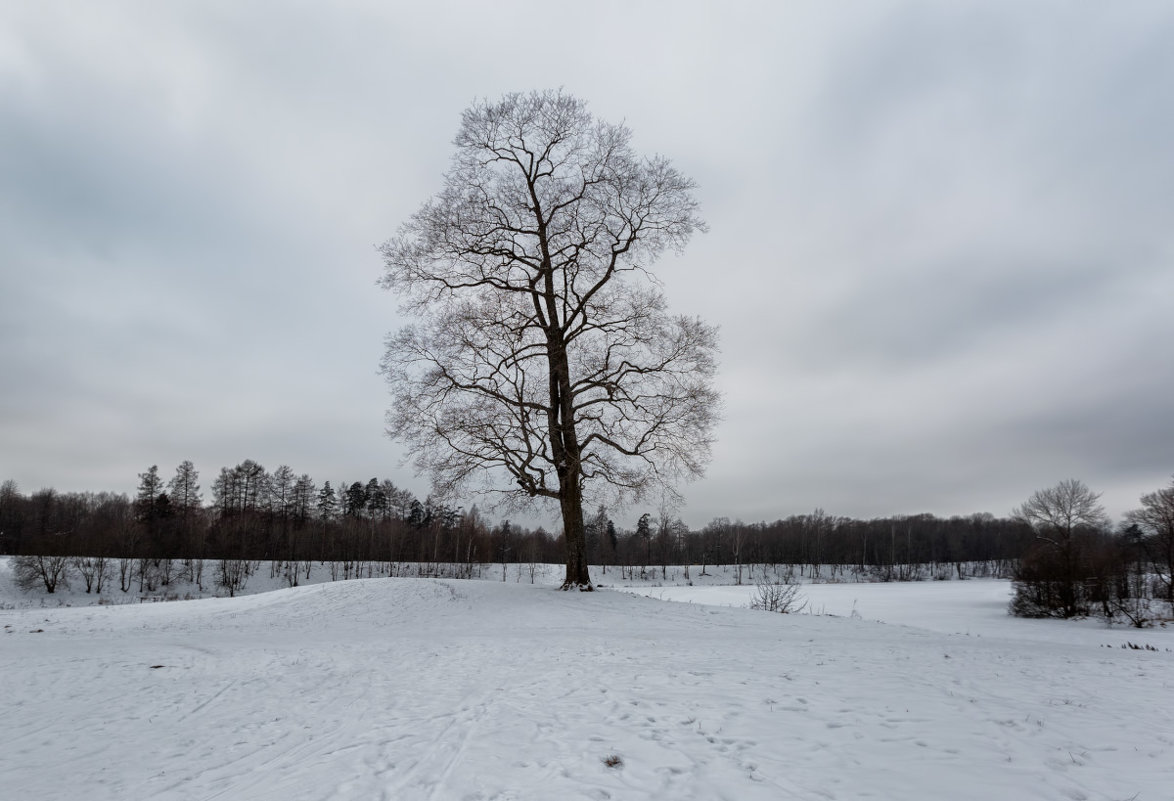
572	508
571	499
567	453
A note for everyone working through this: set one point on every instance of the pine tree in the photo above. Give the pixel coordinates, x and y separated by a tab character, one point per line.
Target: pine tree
147	497
327	503
184	489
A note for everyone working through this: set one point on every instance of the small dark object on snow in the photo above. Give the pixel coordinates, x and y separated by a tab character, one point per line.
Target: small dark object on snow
613	761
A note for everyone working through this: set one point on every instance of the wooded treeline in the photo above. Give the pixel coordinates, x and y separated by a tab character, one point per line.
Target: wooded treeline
254	514
1059	547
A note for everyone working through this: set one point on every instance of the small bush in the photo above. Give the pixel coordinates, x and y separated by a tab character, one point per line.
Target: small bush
780	595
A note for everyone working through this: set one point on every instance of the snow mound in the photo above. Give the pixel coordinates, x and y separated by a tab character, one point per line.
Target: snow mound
433	689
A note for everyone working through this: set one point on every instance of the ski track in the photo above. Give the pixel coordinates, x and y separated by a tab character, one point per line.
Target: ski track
405	689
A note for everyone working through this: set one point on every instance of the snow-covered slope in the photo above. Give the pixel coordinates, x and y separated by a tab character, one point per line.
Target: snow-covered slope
427	689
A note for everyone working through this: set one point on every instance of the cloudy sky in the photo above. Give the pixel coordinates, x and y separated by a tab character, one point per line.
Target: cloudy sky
941	246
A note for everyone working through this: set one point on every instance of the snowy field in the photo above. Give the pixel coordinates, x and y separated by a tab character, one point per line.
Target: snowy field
478	690
976	607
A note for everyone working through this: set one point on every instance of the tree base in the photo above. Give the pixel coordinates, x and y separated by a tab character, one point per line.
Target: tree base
577	586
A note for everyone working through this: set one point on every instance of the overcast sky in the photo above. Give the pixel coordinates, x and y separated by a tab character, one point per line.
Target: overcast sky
941	246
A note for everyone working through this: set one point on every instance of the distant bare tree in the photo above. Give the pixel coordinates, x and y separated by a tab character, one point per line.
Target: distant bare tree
47	571
231	574
12	514
1049	579
671	534
93	570
544	352
1057	512
1156	519
126	573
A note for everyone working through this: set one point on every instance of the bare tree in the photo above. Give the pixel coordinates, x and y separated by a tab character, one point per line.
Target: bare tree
1057	512
49	571
93	570
544	363
231	574
1156	519
1049	579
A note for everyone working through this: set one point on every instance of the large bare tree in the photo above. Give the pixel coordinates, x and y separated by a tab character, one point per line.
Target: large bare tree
542	362
1050	578
1058	512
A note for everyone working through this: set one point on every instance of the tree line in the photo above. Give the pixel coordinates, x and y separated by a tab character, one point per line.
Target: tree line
1060	548
251	515
255	514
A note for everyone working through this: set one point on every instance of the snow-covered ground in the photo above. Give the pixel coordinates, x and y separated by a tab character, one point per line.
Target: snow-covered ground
976	608
478	690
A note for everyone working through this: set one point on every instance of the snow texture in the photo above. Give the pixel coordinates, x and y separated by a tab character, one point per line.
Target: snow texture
405	689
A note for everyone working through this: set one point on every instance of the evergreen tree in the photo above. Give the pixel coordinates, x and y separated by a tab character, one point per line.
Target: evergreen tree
376	499
147	497
184	489
303	499
327	503
355	500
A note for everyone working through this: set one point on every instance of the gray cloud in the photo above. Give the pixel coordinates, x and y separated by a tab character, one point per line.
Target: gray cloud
939	253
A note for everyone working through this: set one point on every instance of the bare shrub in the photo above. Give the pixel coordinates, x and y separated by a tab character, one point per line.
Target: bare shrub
231	574
780	595
93	570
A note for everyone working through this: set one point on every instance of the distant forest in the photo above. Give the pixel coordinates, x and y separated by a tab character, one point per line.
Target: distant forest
1058	547
254	514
